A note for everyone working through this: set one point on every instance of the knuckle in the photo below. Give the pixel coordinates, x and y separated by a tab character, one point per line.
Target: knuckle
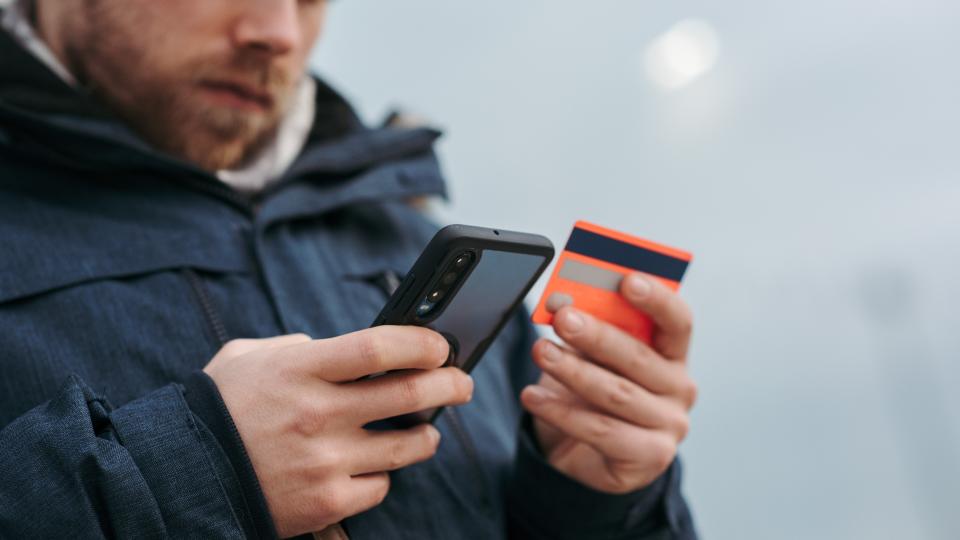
576	374
683	426
664	452
685	327
309	419
410	392
396	455
690	392
371	351
639	361
622	393
329	503
602	428
684	317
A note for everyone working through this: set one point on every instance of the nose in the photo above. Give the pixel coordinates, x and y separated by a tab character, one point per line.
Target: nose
270	26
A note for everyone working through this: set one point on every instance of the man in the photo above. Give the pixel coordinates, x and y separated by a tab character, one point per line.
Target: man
171	181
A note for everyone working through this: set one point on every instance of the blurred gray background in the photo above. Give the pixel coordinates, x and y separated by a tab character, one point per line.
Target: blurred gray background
806	152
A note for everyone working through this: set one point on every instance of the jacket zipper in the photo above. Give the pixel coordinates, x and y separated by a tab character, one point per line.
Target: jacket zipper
471	451
206	303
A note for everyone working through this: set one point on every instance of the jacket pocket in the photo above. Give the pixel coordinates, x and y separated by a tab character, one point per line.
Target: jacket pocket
125	321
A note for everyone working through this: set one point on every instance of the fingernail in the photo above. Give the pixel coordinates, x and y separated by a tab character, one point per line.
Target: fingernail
572	322
538	394
470	395
435	433
556	301
551	353
637	286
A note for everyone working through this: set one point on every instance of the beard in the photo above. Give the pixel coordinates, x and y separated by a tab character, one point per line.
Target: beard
162	100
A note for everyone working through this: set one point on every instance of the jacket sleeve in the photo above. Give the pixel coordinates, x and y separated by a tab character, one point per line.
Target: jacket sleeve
543	503
75	467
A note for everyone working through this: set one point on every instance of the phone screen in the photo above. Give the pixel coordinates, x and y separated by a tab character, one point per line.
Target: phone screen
497	280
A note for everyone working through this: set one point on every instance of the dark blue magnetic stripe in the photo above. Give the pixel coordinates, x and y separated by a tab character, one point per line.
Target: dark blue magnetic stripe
614	251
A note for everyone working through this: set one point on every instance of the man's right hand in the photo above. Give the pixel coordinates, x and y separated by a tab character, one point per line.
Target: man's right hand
300	411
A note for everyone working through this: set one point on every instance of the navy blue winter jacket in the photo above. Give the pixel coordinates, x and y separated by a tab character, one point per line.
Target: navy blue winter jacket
123	271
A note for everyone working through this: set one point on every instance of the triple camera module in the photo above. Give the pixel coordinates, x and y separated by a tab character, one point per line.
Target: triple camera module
455	270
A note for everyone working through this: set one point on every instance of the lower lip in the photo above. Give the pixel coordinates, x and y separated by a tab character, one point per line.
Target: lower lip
230	98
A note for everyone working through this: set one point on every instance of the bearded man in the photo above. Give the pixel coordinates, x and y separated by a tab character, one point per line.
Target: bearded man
196	234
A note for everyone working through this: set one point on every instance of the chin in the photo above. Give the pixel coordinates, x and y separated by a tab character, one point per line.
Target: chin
212	139
215	158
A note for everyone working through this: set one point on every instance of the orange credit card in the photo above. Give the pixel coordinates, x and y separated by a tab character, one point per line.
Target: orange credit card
591	267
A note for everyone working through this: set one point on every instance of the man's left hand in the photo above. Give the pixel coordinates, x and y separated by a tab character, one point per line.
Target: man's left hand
609	410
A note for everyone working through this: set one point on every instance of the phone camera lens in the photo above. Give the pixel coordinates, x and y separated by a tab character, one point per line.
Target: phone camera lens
449	278
435	296
462	261
424	308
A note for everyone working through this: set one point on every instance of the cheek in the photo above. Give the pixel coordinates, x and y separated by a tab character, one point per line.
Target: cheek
174	32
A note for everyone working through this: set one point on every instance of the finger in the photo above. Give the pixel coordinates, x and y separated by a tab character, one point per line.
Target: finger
361	493
548	436
556	301
405	392
615	349
610	436
239	347
373	350
377	451
558	387
670	314
609	392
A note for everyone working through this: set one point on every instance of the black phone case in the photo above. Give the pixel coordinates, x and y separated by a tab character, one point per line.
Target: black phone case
446	245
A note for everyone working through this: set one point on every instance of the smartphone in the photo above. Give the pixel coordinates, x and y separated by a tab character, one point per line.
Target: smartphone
465	285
